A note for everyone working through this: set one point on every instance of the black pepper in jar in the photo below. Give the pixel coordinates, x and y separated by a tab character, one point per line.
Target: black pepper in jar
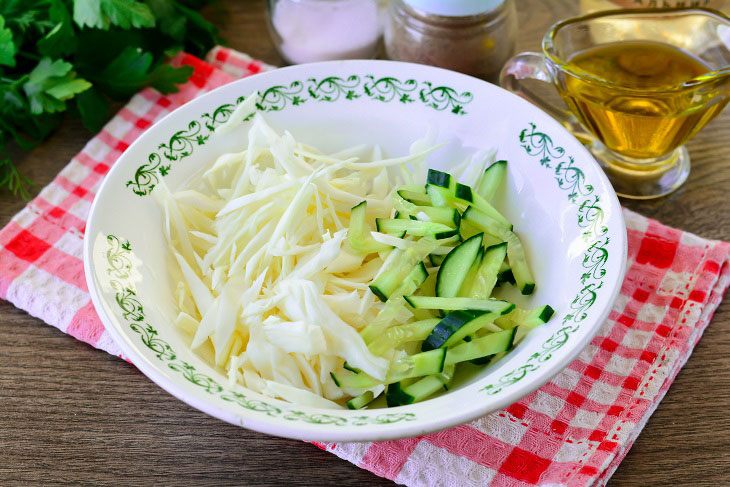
474	37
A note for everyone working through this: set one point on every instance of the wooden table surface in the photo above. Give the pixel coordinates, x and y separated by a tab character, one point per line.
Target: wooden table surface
71	414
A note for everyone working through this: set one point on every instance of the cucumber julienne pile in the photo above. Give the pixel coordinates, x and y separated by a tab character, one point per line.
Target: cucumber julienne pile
458	320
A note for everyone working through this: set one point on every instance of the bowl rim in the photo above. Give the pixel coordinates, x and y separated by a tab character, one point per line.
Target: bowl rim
306	431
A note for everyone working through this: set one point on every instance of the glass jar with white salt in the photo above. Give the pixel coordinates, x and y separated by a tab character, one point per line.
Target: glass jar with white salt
306	31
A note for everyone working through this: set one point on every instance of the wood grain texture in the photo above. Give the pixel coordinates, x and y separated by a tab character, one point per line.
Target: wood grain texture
70	414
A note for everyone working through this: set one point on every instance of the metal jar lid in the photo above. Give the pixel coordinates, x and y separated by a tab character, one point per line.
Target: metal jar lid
455	8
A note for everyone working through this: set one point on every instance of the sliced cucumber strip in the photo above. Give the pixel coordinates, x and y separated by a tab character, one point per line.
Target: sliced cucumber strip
471	275
486	223
515	251
492	179
439	196
415	197
457	325
541	314
389	280
416	365
361	401
490	305
354	381
394	391
447	375
485	278
438	178
413	280
465	196
456	265
505	274
395	396
534	317
436	259
428	288
486	207
491	240
397	335
518	262
358	235
422	389
525	321
521	317
446	215
415	227
481	347
463	192
443	190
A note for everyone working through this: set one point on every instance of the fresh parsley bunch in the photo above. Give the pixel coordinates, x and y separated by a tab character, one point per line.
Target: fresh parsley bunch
59	56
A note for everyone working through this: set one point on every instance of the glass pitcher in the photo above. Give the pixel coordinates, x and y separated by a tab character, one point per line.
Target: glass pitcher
637	133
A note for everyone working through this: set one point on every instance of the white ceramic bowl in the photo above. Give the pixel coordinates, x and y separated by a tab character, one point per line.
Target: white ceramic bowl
558	198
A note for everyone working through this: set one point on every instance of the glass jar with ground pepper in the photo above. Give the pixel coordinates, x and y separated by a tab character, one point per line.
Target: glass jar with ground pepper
475	37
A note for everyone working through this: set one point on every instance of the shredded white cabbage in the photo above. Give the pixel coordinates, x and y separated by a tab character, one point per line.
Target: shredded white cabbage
267	276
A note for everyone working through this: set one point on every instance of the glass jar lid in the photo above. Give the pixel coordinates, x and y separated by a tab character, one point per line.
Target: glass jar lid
455	8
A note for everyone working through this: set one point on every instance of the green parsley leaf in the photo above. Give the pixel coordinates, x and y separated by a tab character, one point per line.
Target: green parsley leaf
67	87
132	69
199	32
11	99
184	25
50	69
61	39
164	78
50	84
103	14
7	46
93	108
41	126
25	17
98	47
171	23
127	72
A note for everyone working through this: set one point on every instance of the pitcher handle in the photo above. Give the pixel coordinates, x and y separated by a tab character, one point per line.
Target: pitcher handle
531	65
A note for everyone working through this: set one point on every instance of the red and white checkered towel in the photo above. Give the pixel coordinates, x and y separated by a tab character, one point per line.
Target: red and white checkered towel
574	431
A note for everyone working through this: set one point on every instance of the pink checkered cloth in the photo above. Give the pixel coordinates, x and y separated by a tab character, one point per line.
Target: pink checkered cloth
574	431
